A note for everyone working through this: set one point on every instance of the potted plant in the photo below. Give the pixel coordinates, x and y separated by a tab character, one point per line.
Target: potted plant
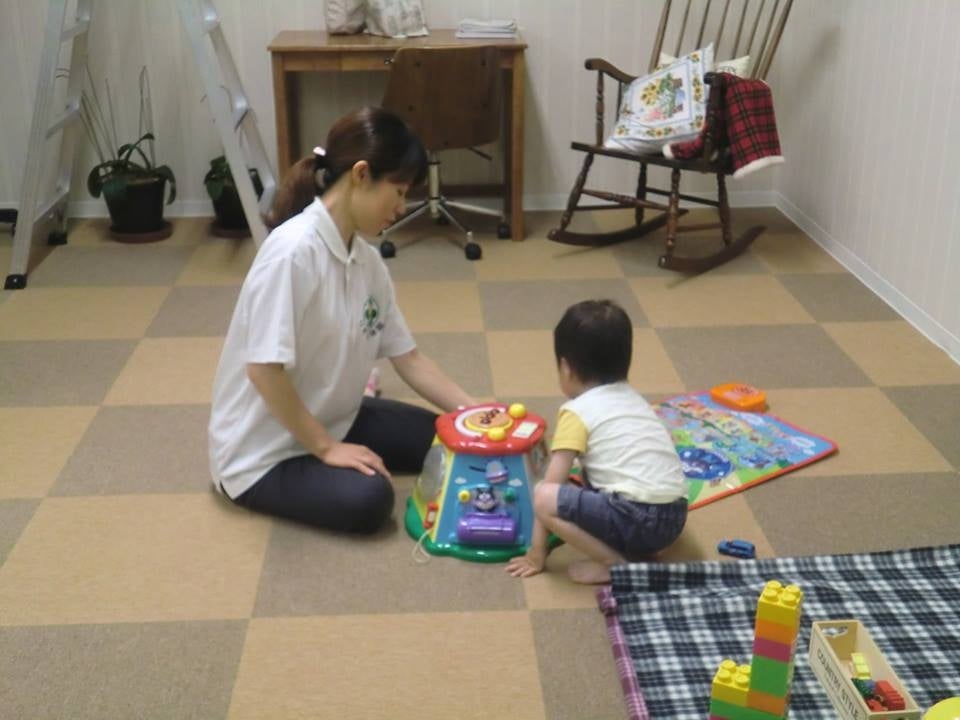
128	177
231	220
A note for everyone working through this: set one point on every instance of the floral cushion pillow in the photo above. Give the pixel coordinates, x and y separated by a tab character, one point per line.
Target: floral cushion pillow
668	105
737	66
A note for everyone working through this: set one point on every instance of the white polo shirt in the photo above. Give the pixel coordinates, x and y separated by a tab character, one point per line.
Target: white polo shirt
327	315
623	445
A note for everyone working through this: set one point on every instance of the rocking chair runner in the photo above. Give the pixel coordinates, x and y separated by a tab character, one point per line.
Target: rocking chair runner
714	154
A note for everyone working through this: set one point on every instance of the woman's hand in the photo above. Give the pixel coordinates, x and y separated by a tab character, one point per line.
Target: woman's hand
358	457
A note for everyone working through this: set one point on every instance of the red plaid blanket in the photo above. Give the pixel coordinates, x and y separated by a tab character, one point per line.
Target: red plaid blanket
746	121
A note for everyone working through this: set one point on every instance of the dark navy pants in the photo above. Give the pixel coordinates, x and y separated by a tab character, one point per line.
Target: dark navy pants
307	490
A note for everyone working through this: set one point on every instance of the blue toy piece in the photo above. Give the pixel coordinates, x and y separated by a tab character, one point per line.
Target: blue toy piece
737	548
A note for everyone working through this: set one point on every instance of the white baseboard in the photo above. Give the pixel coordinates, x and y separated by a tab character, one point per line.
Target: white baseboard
909	310
179	208
90	208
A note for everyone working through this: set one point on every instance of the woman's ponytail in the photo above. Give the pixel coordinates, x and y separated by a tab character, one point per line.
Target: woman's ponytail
297	190
373	135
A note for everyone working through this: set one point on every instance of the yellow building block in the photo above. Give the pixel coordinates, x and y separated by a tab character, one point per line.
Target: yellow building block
861	669
780	604
731	683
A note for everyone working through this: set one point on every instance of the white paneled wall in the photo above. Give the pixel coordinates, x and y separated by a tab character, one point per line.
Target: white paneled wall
867	95
868	105
130	33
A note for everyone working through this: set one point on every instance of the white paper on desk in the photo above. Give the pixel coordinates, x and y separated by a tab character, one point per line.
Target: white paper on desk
500	26
481	35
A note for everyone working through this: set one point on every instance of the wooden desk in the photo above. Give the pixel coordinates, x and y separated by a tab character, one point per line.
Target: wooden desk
297	51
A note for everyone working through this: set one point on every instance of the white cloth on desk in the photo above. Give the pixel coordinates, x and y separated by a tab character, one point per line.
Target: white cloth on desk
472	28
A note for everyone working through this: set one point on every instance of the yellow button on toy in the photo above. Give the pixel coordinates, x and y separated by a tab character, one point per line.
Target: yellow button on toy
463	496
517	411
944	710
496	434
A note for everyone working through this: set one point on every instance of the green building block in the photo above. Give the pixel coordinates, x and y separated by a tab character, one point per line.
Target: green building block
770	676
735	712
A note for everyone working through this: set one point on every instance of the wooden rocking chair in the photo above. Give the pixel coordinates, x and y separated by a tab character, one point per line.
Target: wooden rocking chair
773	17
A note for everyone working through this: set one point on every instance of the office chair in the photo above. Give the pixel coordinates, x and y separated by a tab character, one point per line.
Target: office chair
451	98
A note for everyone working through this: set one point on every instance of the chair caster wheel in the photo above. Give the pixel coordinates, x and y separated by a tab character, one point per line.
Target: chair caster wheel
472	251
387	249
442	220
503	231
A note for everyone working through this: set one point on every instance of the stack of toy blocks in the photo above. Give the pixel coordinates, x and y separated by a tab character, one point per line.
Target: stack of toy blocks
761	690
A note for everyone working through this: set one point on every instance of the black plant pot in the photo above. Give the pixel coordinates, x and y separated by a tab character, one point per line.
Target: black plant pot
231	220
138	216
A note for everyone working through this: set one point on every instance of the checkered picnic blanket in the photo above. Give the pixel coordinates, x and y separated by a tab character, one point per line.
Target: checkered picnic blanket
671	625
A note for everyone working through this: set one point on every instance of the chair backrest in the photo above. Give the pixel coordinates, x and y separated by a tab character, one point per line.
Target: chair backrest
450	96
736	28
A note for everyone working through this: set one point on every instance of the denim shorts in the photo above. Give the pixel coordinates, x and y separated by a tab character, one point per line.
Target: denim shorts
633	529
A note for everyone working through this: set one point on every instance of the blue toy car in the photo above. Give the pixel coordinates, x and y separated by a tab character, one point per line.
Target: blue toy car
737	548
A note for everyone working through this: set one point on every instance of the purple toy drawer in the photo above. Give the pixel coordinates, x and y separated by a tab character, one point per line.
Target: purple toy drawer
486	529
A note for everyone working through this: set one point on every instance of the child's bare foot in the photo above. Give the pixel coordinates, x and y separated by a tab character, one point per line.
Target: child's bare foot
589	572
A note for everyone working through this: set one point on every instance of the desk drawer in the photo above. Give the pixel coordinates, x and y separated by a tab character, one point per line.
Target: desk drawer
365	61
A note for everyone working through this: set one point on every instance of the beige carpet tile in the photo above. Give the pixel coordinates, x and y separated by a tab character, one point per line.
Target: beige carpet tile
935	411
539	304
577	670
311	572
35	444
60	372
14	516
717	300
535	259
462	356
397	666
195	311
652	371
440	306
140	449
836	297
766	356
873	436
177	671
133	559
894	353
218	261
522	363
111	265
435	255
90	313
857	513
793	253
168	371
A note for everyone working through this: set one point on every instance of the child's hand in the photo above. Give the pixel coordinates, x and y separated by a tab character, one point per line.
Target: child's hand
527	565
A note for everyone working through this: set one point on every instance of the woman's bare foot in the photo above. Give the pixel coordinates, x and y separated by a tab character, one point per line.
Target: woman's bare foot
589	572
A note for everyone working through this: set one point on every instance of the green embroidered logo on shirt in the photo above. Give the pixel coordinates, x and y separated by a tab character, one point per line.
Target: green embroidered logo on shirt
370	321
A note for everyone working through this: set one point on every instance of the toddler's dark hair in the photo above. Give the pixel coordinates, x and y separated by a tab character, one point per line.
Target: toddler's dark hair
596	339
